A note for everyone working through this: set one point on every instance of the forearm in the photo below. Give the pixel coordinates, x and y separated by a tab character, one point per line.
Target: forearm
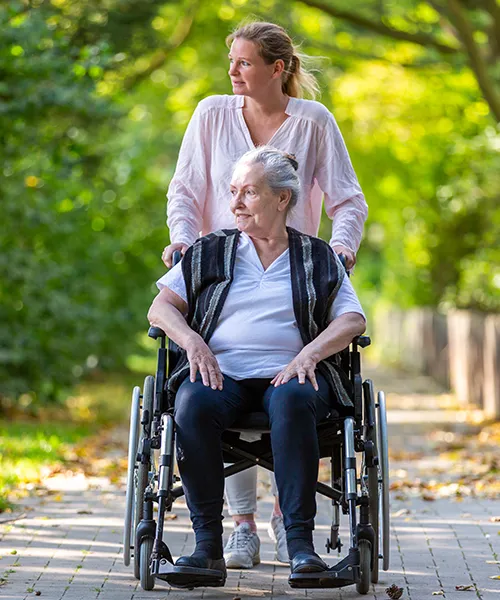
183	220
170	319
348	221
337	336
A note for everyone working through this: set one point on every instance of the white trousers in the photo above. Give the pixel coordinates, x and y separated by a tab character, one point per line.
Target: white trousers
241	492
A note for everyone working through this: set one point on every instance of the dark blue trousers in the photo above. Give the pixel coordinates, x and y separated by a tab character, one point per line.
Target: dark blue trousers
202	414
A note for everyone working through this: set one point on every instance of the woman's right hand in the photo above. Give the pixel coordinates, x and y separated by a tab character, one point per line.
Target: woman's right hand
202	359
169	251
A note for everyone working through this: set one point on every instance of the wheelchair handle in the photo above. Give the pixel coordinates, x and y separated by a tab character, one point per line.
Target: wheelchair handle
156	332
176	257
343	260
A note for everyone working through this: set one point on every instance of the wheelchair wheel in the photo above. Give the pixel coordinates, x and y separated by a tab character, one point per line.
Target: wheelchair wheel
384	469
365	558
374	481
141	476
133	440
144	551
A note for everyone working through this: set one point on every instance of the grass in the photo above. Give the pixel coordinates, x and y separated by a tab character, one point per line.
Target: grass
31	447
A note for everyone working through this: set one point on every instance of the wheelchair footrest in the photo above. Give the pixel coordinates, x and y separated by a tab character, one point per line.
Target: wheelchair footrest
346	572
188	577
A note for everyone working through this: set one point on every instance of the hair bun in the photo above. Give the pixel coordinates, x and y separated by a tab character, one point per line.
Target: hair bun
293	160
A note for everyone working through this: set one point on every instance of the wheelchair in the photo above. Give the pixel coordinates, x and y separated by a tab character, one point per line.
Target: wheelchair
360	491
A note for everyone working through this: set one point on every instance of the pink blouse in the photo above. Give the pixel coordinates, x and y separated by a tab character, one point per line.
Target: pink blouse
217	136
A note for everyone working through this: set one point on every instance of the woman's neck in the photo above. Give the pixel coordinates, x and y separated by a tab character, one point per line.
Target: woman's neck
272	241
267	105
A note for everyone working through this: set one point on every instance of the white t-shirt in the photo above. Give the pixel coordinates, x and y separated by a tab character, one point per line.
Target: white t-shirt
257	334
217	136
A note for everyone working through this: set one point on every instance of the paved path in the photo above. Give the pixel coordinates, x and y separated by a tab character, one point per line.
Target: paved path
67	546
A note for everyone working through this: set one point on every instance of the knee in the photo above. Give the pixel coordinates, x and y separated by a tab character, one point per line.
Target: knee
193	405
294	400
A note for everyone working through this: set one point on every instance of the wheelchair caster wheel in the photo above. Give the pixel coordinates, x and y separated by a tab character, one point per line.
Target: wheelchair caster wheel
365	558
145	550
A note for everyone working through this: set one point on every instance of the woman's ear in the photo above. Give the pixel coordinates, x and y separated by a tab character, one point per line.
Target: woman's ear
279	67
284	201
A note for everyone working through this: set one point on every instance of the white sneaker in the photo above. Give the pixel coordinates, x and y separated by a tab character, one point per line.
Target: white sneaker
277	533
242	550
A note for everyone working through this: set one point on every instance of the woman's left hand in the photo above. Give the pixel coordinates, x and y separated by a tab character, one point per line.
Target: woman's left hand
302	366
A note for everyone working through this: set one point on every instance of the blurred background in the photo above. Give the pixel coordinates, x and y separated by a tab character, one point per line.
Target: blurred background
94	99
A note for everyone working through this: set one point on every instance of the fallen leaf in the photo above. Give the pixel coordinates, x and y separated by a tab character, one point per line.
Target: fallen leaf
38	593
394	592
428	497
58	498
493	562
495	519
84	512
464	588
170	516
440	593
401	512
494	576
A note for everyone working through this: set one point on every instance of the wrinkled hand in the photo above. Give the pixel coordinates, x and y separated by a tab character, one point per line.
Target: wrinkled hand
302	366
201	359
169	251
350	257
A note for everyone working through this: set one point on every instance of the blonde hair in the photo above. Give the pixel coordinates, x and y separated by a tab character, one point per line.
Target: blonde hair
274	43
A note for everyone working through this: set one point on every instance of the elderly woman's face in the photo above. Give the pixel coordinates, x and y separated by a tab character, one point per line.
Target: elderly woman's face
254	204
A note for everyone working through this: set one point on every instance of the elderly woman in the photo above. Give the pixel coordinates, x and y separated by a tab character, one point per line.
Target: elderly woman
258	310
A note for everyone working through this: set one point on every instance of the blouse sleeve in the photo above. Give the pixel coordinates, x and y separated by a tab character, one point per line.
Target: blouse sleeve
174	280
346	301
187	190
344	200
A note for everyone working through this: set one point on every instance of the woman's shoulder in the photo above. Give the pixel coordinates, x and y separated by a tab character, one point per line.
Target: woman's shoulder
310	110
218	102
315	242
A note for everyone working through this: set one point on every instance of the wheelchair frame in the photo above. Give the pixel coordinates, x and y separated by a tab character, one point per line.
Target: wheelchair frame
152	428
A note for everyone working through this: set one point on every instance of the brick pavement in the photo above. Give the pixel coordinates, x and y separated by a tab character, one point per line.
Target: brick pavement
69	548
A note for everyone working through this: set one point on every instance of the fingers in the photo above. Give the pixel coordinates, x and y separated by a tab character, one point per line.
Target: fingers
312	378
351	260
211	375
193	369
167	257
168	253
302	372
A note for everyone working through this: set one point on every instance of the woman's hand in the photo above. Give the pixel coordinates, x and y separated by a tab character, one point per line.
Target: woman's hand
169	251
302	366
350	257
201	359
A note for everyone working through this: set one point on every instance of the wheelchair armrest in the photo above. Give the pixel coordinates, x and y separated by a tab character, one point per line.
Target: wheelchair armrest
156	332
362	340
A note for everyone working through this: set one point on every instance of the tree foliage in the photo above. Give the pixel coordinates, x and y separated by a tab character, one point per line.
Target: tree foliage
94	100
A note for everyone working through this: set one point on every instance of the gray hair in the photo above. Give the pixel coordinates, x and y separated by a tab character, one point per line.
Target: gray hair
280	170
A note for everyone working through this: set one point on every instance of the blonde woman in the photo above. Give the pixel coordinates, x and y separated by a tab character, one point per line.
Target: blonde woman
268	80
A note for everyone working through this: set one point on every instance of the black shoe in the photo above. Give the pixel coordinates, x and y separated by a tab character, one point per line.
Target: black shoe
197	570
307	563
201	561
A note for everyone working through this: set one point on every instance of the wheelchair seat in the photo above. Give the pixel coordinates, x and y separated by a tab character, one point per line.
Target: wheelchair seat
259	422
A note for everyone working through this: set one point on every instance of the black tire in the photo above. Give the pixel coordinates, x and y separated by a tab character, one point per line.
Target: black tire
142	474
373	490
365	557
373	475
146	548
